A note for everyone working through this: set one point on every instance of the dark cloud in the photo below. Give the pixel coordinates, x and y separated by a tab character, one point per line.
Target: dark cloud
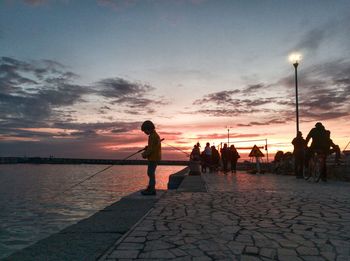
100	126
120	88
253	88
35	92
84	134
232	103
132	95
222	112
263	123
222	97
325	91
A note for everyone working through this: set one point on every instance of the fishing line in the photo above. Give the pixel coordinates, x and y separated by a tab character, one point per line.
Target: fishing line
93	175
186	153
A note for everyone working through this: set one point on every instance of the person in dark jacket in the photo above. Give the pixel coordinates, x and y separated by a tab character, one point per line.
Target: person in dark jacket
224	157
215	159
234	156
299	152
320	143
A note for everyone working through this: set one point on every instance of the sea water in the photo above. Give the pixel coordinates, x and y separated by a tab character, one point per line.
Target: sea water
32	205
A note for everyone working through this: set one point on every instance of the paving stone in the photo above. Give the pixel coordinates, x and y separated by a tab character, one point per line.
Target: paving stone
135	239
342	258
163	254
124	254
178	252
328	255
195	252
268	252
307	251
251	250
249	258
130	246
201	258
286	252
313	258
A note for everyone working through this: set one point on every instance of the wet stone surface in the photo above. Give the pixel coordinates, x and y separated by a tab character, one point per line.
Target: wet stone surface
245	217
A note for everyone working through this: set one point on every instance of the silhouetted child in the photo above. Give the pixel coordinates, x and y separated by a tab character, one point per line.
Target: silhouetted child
153	154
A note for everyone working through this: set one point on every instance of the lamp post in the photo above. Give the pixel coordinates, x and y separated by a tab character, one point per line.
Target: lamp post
295	59
228	135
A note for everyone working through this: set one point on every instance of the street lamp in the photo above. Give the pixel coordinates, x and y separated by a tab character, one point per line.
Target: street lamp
295	58
228	135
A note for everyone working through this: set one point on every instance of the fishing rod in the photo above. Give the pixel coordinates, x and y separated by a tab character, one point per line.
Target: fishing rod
186	153
93	175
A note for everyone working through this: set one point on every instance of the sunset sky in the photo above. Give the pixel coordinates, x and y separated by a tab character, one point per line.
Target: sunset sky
77	78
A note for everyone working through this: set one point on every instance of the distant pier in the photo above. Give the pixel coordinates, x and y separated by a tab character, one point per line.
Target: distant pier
53	160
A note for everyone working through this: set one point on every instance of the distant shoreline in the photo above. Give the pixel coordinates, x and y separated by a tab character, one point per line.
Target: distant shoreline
51	160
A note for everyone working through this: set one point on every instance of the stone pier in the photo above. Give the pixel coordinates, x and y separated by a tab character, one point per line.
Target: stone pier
243	217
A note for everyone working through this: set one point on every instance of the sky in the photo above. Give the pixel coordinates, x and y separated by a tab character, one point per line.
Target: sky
78	78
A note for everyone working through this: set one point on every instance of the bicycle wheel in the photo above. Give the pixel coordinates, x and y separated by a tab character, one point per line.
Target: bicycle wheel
317	169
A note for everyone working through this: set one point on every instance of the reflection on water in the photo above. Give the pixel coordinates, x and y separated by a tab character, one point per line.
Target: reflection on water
30	211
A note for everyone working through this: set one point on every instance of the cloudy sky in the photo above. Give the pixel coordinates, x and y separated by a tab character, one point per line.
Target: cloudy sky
77	78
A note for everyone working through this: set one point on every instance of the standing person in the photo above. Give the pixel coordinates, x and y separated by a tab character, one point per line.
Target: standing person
333	147
299	152
215	159
224	157
234	156
196	153
207	156
153	154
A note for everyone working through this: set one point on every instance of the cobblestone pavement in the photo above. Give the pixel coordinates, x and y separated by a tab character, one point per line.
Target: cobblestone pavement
245	217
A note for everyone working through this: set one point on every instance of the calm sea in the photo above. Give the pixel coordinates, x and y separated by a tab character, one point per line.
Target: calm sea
29	210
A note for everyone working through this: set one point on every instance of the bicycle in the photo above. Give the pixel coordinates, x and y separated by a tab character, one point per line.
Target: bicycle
316	166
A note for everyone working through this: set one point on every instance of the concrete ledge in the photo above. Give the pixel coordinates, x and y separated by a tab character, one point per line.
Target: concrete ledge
91	237
176	179
192	184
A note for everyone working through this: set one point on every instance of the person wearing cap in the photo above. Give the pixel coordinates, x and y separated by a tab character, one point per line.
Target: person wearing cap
152	153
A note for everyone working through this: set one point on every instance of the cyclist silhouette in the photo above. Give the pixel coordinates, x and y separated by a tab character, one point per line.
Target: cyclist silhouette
320	144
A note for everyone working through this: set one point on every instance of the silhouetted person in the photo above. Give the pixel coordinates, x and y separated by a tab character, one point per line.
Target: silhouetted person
207	156
278	162
320	144
233	156
215	158
299	154
195	154
333	148
224	157
153	154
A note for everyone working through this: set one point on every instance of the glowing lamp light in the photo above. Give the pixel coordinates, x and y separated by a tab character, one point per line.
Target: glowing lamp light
295	58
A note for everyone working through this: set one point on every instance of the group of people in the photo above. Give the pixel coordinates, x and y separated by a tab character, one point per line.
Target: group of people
321	143
210	157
